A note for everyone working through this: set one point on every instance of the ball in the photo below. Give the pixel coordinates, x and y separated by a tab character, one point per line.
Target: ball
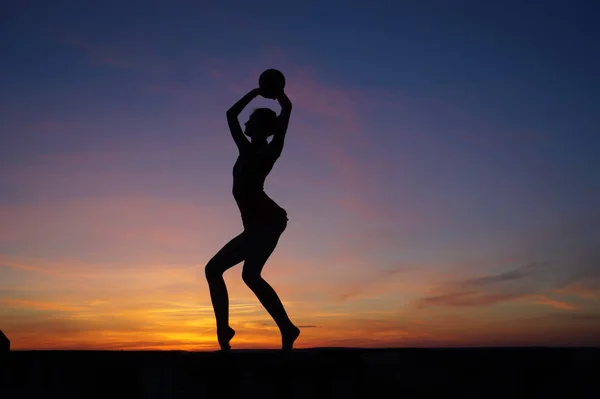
271	82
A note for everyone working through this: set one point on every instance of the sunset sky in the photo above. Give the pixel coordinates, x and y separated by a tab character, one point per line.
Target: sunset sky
441	172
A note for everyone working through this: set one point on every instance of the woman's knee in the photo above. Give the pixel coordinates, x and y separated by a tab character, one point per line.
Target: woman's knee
212	270
251	277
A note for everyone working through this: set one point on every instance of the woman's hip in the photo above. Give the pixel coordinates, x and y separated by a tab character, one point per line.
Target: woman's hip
271	222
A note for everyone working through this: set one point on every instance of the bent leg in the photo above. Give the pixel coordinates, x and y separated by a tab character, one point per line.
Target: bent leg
262	245
230	255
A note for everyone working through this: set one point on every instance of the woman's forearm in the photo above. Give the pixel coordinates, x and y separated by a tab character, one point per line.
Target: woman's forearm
284	101
239	106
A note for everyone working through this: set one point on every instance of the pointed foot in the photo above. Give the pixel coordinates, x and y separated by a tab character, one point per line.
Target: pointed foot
288	338
224	336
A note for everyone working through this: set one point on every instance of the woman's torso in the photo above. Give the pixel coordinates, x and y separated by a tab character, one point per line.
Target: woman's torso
249	174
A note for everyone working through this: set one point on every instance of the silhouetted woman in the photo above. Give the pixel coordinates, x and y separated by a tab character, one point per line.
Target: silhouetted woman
263	219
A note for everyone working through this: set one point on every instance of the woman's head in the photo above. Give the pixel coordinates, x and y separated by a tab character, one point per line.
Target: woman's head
261	123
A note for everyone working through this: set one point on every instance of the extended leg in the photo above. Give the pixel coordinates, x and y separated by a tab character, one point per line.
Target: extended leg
258	255
230	255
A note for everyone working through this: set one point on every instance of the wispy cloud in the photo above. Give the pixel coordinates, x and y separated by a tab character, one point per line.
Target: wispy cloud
515	274
20	303
554	303
468	298
584	289
516	284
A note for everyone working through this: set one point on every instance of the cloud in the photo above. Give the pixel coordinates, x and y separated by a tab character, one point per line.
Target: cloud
582	289
554	303
468	298
515	274
517	284
19	303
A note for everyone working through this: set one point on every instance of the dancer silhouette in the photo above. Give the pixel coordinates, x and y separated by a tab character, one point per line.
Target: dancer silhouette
264	221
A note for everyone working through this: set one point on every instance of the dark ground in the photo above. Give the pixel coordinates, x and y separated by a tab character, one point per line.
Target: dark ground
309	373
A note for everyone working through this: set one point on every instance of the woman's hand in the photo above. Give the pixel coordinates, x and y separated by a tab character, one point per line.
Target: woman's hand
265	95
283	100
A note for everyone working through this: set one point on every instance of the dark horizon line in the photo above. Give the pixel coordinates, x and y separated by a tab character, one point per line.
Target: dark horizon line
346	348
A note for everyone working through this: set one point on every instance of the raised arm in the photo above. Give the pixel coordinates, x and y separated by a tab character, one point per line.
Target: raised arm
232	119
282	123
